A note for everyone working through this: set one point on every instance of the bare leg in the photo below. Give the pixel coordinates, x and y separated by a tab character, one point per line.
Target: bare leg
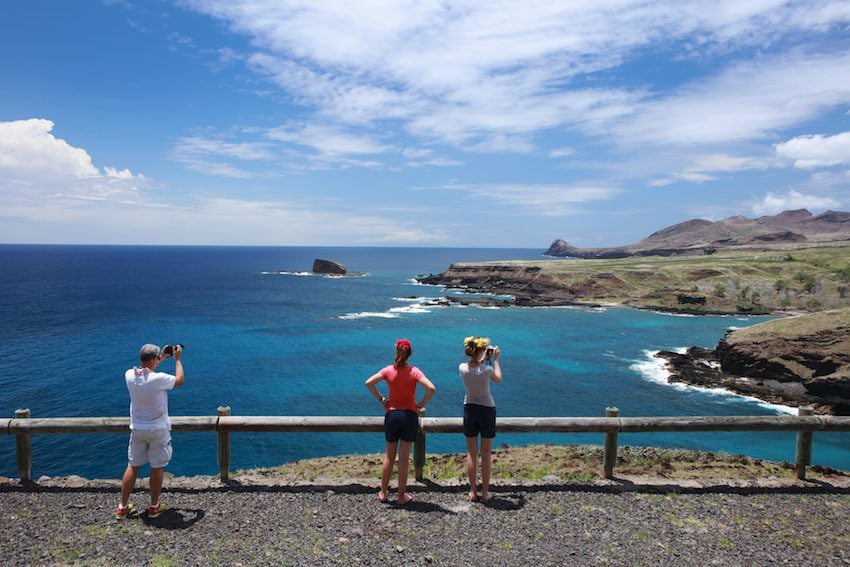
387	471
471	465
127	484
486	466
403	468
156	484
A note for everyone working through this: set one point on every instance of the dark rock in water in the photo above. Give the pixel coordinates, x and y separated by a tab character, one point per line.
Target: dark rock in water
328	267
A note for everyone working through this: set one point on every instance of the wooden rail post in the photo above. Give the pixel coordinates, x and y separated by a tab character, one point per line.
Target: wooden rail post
23	449
224	446
609	455
419	449
804	446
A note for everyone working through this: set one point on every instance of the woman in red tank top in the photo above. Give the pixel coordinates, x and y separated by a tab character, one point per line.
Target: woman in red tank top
401	420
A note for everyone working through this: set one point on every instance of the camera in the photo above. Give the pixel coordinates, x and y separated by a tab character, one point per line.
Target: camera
490	350
168	350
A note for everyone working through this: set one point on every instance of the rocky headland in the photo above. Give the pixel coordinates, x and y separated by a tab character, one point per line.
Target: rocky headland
730	282
803	360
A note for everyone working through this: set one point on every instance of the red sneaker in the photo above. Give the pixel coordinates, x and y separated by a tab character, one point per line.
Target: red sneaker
123	511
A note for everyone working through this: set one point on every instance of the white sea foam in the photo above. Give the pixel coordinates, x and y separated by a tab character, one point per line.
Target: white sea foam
480	294
587	308
674	314
418	305
417	308
286	273
654	369
312	274
367	314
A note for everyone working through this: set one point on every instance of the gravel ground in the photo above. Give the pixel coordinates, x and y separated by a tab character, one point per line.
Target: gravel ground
625	522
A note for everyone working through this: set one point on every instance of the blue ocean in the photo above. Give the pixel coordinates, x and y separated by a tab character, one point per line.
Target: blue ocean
266	338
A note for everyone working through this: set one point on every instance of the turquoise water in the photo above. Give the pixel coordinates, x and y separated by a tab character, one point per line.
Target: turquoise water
270	343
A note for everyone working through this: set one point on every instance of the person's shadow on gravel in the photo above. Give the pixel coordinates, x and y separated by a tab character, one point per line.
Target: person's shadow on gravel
174	519
506	502
419	506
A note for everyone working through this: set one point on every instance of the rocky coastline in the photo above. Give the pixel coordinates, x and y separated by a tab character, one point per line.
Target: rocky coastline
802	360
533	286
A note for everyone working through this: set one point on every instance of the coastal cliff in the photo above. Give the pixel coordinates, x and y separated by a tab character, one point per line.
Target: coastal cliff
723	283
791	361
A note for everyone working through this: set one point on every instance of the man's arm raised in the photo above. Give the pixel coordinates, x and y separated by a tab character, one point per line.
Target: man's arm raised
178	367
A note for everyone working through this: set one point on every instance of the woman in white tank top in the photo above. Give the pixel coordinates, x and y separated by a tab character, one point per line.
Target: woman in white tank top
479	410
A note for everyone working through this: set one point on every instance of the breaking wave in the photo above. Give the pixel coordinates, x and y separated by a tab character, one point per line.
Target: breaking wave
654	369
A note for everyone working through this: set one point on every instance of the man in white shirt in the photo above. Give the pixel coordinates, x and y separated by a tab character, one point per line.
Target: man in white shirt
150	426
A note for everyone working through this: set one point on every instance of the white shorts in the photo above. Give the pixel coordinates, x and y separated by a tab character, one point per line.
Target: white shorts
149	446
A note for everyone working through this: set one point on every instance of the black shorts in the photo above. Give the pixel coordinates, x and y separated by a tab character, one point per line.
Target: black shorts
401	424
479	419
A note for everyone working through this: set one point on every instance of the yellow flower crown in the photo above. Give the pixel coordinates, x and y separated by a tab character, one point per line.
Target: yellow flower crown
477	342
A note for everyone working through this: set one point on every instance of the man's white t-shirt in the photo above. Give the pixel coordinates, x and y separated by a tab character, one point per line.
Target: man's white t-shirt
149	398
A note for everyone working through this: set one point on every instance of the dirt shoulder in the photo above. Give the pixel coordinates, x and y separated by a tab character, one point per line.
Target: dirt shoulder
315	513
664	507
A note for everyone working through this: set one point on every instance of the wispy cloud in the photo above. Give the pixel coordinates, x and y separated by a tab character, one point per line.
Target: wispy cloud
196	146
707	167
487	76
749	101
328	141
545	200
205	155
561	152
275	221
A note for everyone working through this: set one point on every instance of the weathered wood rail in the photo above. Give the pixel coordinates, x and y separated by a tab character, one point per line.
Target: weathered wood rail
23	427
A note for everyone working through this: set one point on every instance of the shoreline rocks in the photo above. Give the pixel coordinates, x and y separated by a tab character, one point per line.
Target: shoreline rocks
794	361
533	286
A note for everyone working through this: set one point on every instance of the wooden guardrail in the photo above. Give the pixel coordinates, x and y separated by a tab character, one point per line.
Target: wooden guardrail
23	427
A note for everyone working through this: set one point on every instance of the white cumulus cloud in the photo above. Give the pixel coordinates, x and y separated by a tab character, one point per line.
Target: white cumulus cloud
808	152
773	204
27	148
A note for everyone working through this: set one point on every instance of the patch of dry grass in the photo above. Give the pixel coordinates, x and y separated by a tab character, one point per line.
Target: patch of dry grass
567	462
796	326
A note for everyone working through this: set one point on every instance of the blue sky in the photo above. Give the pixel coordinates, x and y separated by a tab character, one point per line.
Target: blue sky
417	123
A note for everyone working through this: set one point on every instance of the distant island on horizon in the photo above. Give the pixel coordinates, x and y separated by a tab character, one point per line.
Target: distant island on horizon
788	230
